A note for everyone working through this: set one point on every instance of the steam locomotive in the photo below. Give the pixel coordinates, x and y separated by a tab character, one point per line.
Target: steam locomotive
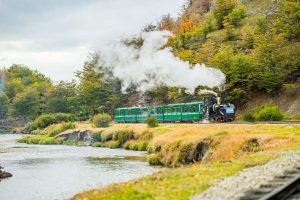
210	108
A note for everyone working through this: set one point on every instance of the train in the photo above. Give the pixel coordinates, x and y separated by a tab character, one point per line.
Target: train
212	110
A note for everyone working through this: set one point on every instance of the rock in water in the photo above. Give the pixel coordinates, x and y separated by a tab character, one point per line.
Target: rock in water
4	174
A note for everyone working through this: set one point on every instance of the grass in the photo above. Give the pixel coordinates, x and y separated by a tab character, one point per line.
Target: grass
180	183
232	147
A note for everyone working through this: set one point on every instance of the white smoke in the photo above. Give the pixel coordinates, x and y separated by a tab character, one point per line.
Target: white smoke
152	65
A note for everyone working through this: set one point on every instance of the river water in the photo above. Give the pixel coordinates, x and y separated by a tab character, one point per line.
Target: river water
43	172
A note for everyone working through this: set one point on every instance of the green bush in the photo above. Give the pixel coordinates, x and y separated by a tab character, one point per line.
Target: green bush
268	112
61	128
98	144
115	144
152	122
48	141
249	117
46	120
97	137
237	15
106	138
123	136
102	120
29	127
37	132
154	159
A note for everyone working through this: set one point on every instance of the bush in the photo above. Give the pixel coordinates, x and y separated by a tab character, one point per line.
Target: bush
97	137
237	15
57	129
28	128
123	136
106	138
48	141
102	120
98	144
249	117
46	120
154	159
152	122
268	112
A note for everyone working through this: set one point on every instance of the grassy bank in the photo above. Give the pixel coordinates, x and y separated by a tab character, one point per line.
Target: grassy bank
180	183
222	149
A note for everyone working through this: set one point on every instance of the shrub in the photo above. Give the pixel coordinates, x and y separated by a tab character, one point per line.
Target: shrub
98	144
28	128
46	120
123	136
249	117
57	129
37	132
106	138
97	137
237	15
48	141
152	122
115	144
268	112
101	120
154	159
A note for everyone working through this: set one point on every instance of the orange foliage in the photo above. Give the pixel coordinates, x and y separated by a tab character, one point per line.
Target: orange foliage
186	25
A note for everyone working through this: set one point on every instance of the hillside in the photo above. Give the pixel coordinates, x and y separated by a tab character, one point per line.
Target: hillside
255	43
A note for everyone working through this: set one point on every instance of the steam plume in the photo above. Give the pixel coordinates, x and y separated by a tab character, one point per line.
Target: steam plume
152	65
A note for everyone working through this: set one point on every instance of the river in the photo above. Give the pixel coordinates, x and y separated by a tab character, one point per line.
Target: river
59	172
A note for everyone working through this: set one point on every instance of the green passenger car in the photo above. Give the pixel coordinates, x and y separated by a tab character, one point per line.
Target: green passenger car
183	112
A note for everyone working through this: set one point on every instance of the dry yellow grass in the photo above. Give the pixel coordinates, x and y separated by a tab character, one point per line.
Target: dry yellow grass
227	140
240	145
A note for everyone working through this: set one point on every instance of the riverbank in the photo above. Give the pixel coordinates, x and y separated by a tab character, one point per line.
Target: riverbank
198	154
174	145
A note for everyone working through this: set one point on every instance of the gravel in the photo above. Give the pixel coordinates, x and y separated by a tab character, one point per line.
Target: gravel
251	178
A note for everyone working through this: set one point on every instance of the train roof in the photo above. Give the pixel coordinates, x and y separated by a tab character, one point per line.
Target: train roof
175	104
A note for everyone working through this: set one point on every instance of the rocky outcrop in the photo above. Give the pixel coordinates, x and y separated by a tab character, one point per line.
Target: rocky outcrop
77	135
4	174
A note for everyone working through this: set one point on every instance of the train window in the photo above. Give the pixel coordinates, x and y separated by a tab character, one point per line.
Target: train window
145	112
194	109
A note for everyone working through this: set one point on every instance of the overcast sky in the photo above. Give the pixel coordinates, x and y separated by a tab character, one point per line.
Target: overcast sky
55	36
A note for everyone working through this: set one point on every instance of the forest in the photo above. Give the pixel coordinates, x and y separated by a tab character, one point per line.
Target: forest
257	48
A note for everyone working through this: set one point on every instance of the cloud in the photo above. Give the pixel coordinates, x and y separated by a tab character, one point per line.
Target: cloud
56	36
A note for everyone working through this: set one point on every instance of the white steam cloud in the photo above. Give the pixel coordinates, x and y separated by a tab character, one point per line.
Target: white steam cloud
152	65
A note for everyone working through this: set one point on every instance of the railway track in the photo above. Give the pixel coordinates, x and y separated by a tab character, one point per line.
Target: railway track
283	187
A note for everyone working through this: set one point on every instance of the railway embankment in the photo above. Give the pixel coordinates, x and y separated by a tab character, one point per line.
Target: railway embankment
237	186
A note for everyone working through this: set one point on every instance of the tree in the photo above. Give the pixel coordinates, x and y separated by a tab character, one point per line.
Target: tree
64	98
166	23
4	105
237	15
26	104
224	7
13	87
288	19
99	91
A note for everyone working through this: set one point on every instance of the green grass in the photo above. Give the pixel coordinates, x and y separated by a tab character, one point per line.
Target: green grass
179	184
